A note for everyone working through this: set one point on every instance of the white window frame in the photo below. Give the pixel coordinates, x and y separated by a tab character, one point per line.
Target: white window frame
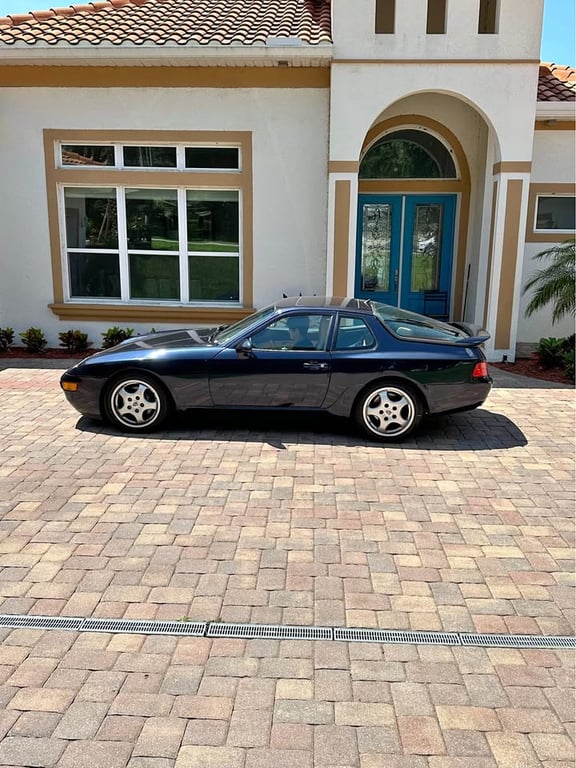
124	252
539	231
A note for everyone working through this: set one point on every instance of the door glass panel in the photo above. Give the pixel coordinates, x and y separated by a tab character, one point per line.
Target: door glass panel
426	246
376	231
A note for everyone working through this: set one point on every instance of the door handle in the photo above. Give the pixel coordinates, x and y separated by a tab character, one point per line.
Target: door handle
395	279
314	366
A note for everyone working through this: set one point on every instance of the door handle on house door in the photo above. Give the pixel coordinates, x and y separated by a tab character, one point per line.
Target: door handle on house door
395	279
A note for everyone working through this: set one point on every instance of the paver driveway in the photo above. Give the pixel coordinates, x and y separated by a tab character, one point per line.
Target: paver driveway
469	527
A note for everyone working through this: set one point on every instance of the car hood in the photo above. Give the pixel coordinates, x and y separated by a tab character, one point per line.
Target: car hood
183	338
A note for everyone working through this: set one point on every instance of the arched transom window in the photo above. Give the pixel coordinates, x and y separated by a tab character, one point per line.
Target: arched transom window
408	154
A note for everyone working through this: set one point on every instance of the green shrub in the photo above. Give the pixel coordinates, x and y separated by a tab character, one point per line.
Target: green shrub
74	341
569	343
549	352
568	363
115	335
6	339
34	340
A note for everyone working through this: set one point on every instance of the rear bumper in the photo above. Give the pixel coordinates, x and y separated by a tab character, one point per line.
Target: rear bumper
452	398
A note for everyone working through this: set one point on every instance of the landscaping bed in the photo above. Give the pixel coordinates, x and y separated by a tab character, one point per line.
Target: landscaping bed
18	353
531	366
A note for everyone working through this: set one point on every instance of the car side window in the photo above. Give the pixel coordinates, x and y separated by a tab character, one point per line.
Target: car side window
353	333
294	332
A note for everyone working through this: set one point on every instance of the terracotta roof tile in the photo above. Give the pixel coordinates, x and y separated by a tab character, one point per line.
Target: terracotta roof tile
184	22
556	82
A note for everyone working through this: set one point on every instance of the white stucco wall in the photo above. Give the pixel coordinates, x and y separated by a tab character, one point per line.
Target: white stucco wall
355	38
554	162
290	145
503	94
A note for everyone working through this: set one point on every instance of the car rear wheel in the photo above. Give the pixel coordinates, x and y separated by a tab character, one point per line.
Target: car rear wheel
136	403
388	411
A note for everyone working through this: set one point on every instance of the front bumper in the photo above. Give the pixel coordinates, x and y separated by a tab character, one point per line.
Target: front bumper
86	398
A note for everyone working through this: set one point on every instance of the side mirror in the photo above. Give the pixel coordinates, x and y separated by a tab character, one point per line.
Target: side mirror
245	348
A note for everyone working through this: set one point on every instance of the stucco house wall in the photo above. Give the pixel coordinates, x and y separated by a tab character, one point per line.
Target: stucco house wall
553	164
289	137
309	83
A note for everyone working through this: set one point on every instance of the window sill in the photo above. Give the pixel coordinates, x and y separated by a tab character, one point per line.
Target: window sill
146	314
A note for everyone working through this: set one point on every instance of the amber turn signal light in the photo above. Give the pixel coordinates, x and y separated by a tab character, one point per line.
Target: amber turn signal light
69	386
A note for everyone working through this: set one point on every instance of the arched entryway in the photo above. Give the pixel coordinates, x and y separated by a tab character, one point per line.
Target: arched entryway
413	202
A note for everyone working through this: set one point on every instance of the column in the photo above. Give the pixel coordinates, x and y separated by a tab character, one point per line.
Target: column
505	258
341	240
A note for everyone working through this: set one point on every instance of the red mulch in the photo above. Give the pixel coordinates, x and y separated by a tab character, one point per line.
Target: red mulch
530	366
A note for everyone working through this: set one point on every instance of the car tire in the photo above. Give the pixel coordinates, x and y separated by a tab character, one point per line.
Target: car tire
136	403
388	411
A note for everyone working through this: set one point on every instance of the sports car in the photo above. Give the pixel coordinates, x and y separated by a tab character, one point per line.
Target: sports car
379	365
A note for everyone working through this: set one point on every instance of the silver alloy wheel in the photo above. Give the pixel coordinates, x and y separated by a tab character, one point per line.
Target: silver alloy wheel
388	411
135	403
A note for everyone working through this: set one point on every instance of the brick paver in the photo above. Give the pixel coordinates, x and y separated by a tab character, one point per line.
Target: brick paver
468	527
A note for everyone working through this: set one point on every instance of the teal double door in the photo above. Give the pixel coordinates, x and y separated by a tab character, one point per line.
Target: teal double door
405	248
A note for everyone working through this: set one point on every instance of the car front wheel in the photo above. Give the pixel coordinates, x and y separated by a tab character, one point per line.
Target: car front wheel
388	412
136	404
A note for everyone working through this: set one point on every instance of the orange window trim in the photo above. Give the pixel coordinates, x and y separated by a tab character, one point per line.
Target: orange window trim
56	176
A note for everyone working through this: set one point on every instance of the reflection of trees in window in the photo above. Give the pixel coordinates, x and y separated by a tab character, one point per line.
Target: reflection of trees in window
212	224
150	157
152	219
101	222
408	154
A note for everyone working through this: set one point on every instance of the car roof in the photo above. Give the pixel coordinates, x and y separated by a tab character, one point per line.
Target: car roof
330	302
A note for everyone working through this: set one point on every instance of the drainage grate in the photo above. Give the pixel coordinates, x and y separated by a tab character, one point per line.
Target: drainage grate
140	627
269	631
396	636
277	632
40	622
519	641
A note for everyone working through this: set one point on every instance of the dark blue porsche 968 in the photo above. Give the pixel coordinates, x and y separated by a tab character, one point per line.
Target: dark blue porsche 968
382	366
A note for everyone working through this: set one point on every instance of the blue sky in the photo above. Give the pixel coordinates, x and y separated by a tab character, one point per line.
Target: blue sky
558	43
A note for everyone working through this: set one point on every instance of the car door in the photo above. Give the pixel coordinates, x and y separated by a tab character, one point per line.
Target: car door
275	369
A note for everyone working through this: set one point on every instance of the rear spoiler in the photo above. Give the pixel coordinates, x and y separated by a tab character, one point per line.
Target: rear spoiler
477	335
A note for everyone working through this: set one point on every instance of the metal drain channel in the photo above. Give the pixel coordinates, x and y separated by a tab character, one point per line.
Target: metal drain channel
269	631
518	641
278	632
139	627
396	636
41	622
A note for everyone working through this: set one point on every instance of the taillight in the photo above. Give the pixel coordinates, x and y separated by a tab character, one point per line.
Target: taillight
480	370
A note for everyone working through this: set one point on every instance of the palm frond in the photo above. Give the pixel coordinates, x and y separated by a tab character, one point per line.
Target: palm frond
556	283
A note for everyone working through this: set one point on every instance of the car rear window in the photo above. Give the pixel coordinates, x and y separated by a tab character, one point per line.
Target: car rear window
410	325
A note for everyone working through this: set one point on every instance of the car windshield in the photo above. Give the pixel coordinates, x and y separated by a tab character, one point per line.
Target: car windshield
230	331
412	326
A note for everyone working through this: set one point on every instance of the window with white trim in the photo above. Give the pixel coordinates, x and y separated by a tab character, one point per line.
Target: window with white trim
150	239
555	213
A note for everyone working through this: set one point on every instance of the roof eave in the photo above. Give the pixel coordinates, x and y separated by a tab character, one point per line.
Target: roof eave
107	54
556	110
